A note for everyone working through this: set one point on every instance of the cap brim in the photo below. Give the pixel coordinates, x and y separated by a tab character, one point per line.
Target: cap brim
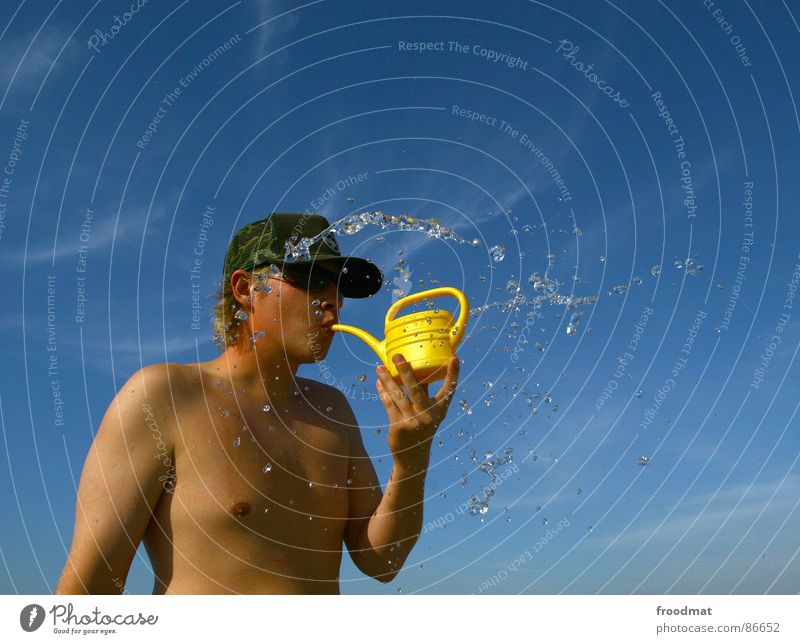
358	278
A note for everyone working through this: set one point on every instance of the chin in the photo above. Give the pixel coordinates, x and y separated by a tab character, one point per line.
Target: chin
318	350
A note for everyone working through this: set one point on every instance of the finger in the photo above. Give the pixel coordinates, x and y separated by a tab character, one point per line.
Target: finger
445	394
394	391
417	393
388	404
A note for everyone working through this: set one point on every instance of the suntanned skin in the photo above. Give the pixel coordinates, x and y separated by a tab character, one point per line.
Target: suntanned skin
172	466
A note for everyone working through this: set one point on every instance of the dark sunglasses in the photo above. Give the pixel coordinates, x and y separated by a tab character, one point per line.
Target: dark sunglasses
313	279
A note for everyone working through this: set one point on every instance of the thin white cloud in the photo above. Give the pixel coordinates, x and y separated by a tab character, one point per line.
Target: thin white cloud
272	23
28	73
702	526
104	230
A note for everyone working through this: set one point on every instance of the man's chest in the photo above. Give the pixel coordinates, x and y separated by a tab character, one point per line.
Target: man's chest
263	472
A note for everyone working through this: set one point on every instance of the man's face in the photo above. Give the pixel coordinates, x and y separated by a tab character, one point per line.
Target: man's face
296	317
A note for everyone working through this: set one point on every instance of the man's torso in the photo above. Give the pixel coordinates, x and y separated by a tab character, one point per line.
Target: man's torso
260	498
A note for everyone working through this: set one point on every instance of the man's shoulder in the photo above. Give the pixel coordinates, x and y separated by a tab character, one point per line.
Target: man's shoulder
317	388
167	383
327	396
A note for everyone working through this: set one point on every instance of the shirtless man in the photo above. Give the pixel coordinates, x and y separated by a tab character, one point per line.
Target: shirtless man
241	477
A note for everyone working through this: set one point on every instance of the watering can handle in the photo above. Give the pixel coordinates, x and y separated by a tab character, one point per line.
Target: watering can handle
463	314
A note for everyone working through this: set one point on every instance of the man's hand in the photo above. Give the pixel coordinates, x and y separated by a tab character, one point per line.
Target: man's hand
413	419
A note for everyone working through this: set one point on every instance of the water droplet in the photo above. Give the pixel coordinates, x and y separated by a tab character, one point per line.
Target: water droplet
329	409
349	481
241	315
266	408
465	406
267	468
315	303
655	271
362	377
644	460
498	253
236	441
572	326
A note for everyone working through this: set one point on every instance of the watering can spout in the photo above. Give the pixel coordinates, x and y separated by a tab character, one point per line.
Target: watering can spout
373	343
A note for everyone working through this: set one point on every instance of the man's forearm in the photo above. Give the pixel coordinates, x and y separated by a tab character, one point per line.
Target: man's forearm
396	523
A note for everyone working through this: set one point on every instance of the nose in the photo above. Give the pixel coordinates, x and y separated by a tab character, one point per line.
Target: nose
332	300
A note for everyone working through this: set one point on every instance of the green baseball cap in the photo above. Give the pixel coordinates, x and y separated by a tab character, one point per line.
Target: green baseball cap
264	242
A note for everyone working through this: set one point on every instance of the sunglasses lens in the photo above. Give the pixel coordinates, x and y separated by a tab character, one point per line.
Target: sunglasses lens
313	280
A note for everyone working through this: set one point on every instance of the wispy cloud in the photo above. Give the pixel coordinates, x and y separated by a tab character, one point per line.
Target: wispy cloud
28	61
271	24
702	524
104	230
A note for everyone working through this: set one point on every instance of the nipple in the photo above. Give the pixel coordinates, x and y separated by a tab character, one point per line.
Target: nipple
240	509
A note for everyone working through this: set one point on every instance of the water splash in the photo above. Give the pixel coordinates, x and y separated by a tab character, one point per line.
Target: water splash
574	321
548	289
479	505
498	253
352	224
402	281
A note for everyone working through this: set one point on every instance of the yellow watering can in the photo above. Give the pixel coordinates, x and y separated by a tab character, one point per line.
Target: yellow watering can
426	339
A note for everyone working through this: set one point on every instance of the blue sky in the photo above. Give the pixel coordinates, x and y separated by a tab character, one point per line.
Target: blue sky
305	96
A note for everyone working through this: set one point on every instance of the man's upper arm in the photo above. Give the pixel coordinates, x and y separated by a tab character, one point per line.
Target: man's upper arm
127	469
364	489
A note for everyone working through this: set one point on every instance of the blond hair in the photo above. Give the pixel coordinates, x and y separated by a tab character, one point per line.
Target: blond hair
227	307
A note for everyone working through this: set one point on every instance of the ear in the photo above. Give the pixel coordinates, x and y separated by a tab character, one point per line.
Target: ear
241	288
